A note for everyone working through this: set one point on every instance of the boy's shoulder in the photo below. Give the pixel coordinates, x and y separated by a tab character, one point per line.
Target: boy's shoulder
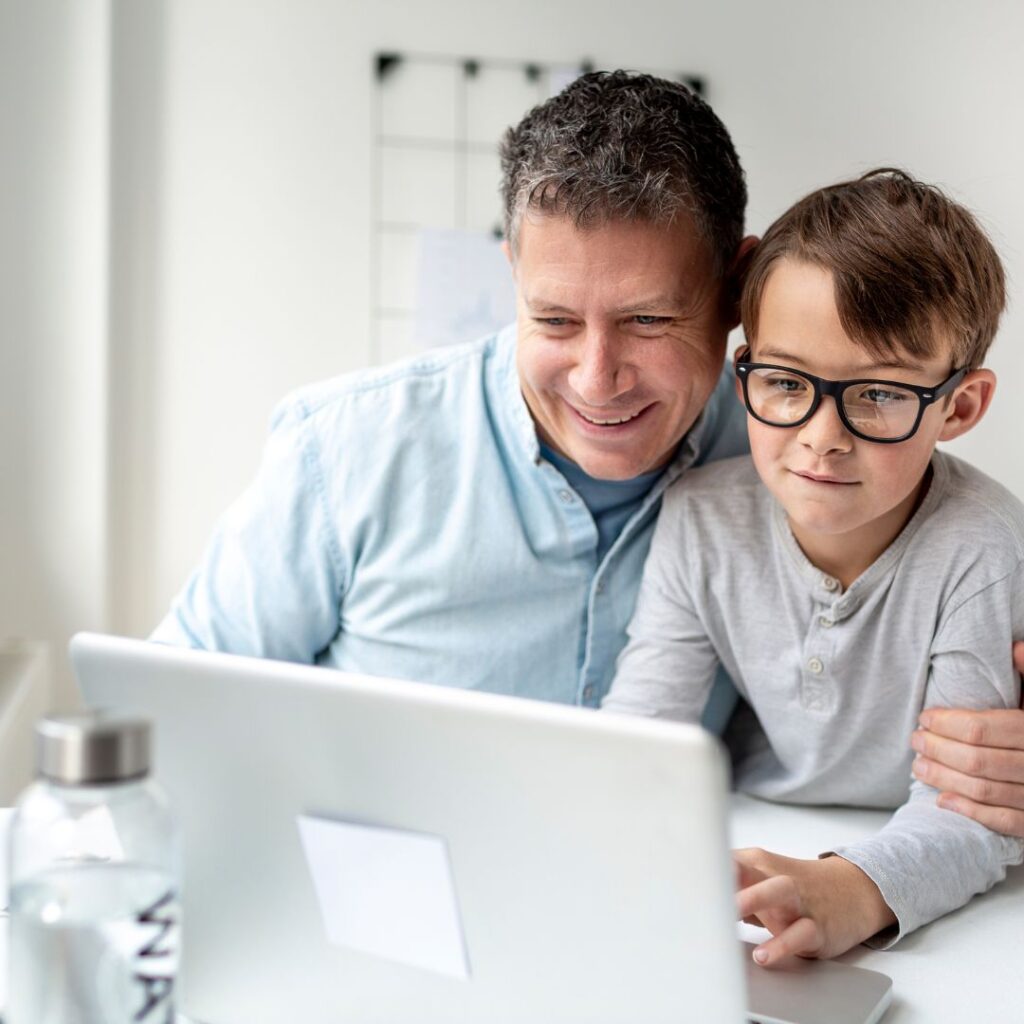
982	511
725	496
719	482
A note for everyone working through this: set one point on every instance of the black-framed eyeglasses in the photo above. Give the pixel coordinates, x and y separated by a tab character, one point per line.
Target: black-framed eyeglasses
884	411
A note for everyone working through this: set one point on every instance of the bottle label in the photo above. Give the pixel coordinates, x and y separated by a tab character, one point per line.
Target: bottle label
94	942
157	958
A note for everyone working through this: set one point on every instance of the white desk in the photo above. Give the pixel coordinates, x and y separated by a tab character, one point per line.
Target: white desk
964	967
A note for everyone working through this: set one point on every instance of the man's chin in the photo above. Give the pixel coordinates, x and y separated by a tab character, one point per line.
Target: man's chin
604	465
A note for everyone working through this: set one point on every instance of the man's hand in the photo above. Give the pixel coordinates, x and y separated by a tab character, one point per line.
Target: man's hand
976	758
813	908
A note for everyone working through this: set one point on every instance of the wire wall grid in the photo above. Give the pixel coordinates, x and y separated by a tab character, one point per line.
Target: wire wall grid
437	122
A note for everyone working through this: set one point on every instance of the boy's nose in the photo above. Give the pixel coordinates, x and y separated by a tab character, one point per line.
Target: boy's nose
824	433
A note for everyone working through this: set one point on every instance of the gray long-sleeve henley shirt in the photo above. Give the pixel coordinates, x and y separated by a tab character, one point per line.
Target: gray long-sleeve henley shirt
837	678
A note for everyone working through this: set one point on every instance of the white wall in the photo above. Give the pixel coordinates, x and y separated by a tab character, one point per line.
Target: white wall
241	224
54	62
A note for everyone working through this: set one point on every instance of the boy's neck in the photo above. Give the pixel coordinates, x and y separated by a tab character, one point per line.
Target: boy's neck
847	555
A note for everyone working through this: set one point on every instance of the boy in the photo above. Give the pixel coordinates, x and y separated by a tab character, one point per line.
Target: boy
847	575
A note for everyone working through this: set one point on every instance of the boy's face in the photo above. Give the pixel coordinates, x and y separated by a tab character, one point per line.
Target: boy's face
841	494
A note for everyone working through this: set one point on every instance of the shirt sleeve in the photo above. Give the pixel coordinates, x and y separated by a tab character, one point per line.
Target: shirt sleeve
270	583
928	861
668	664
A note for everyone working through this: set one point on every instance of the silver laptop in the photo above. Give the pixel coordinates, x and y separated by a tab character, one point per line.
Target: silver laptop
366	850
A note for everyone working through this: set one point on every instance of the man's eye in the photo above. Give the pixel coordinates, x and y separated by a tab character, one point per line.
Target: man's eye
552	321
649	321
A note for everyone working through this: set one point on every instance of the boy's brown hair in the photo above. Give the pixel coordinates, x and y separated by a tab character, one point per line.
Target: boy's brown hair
911	268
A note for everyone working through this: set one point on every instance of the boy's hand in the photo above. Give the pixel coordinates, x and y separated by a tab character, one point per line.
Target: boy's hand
813	908
977	759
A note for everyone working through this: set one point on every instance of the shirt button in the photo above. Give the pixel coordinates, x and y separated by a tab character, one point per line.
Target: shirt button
816	665
829	582
599	587
588	692
825	621
566	496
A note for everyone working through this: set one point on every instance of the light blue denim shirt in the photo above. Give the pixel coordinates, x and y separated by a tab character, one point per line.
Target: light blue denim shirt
403	523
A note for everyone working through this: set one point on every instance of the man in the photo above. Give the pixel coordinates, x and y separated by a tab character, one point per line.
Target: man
479	516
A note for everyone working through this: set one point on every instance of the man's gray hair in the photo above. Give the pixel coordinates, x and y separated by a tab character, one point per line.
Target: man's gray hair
618	145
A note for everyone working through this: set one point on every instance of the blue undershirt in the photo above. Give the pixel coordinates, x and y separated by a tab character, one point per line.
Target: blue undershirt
610	502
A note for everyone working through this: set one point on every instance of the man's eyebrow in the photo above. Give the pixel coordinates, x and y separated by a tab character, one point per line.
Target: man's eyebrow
537	305
657	302
889	364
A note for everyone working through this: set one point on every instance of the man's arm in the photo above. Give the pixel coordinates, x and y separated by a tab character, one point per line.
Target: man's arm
976	758
271	581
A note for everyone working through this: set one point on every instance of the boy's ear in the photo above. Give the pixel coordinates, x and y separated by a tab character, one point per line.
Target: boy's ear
970	402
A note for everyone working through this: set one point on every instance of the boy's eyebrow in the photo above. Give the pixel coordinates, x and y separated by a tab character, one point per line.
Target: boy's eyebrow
890	364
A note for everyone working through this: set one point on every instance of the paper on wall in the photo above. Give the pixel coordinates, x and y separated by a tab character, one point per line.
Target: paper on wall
463	287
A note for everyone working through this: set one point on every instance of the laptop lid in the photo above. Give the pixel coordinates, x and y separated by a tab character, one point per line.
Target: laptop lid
587	853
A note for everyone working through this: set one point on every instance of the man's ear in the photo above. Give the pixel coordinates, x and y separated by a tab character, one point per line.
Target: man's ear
507	250
970	402
734	278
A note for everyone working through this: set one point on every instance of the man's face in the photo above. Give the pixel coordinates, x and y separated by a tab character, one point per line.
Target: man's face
621	338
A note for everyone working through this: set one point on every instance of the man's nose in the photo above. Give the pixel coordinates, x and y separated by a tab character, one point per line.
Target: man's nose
602	371
825	433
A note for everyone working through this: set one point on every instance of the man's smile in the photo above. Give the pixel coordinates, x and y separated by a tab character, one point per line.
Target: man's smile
610	421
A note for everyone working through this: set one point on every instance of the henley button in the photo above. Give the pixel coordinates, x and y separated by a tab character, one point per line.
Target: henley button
588	692
816	666
829	582
599	587
566	496
825	621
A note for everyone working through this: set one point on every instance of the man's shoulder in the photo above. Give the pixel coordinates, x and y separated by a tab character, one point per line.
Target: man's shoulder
416	382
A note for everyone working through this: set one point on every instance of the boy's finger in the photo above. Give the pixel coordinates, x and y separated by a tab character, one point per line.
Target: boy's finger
980	790
987	761
1007	820
1018	660
1001	728
801	938
778	894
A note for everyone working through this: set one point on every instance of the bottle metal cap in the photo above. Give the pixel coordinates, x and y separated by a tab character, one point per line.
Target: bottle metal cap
92	747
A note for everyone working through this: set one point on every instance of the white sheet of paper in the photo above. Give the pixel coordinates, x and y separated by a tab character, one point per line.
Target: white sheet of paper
463	287
5	818
387	892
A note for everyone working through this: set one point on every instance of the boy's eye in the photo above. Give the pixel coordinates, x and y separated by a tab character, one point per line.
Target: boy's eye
883	396
787	385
